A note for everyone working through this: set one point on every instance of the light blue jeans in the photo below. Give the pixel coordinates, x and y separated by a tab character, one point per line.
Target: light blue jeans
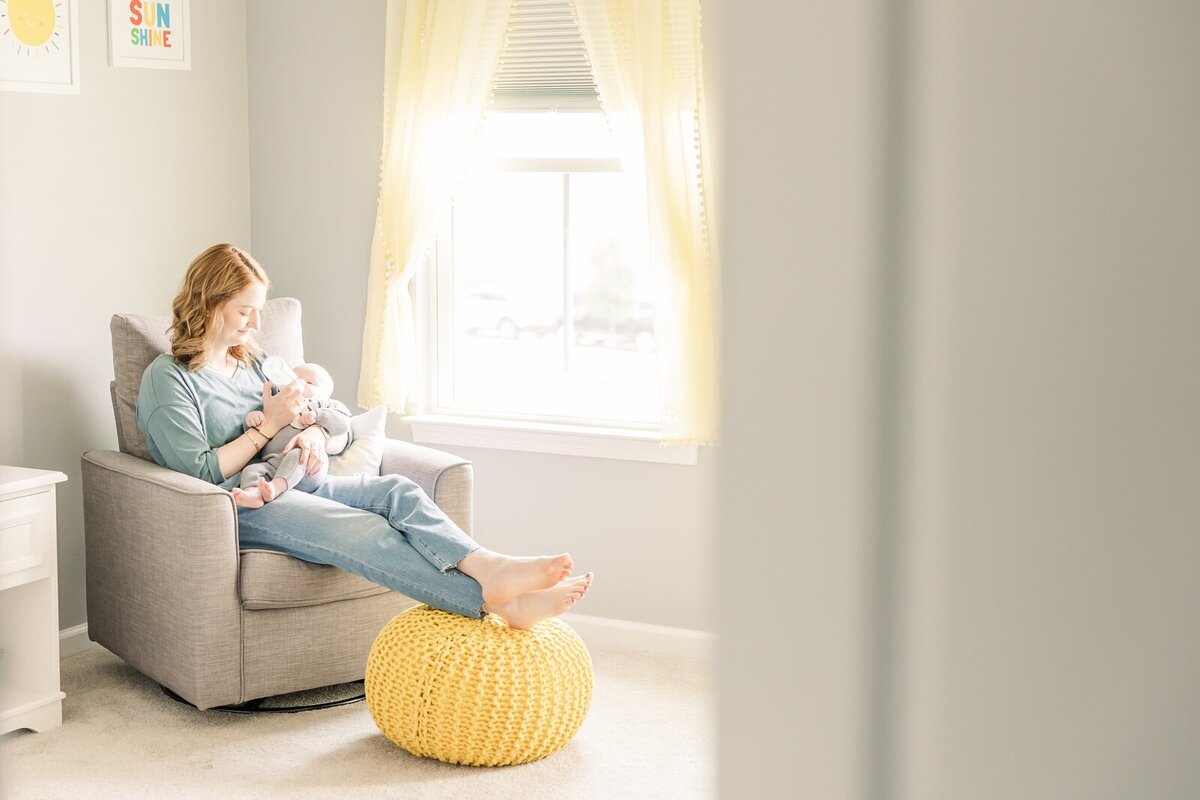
385	529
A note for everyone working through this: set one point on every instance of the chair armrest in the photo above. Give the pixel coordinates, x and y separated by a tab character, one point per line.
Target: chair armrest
162	574
167	479
446	478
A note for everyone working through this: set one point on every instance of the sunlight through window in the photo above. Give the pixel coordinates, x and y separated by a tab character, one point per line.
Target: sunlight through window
543	294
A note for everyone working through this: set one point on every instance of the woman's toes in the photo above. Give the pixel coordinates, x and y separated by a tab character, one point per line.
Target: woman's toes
581	580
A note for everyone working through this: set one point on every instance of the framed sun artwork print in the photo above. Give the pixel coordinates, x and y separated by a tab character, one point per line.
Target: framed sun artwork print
150	34
39	46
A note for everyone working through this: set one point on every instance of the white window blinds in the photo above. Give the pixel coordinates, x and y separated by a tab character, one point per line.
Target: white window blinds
543	65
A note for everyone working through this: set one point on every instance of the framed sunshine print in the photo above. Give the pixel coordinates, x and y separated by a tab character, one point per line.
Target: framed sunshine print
39	46
150	34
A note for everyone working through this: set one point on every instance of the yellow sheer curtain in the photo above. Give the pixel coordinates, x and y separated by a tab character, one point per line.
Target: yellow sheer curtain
440	60
646	59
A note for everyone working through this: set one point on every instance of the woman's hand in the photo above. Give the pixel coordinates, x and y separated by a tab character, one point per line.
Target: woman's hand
311	444
281	408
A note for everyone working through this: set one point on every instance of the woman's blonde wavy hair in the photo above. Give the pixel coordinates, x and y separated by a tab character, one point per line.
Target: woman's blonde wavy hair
212	278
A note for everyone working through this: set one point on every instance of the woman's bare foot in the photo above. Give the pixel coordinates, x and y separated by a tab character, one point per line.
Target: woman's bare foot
505	577
526	610
247	498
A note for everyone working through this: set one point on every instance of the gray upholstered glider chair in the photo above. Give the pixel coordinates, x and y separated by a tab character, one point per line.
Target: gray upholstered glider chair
170	591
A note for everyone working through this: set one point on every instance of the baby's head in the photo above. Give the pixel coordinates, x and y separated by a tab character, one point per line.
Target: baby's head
315	380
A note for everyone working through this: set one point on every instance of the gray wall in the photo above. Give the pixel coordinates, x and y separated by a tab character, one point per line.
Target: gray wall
105	197
315	131
316	120
799	223
1005	389
1054	533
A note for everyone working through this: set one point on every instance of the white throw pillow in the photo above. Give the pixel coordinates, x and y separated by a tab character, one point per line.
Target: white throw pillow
365	453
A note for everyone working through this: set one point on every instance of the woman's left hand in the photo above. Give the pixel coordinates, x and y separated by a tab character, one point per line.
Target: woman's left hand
311	444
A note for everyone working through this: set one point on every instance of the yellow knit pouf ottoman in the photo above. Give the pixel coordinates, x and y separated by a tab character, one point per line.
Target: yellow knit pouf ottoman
477	692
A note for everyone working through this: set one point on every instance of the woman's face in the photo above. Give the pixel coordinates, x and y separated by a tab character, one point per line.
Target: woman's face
237	319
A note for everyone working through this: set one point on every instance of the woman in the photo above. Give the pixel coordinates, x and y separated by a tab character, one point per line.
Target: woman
191	406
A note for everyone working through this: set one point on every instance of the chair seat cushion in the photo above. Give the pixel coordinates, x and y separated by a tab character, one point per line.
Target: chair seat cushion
269	579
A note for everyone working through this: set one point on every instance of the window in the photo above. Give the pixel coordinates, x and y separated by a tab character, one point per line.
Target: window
543	306
540	305
544	256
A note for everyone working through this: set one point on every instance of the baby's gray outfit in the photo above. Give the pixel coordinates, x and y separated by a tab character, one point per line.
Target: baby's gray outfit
332	415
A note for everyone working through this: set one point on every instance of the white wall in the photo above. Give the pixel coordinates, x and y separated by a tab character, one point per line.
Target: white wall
1017	617
105	197
315	130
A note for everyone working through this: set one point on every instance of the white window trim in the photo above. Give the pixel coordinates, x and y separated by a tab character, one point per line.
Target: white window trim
625	444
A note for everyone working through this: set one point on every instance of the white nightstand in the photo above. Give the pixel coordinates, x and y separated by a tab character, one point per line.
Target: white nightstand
29	690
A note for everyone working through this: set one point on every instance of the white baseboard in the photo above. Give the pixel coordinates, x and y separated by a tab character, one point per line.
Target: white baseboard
596	632
619	634
72	641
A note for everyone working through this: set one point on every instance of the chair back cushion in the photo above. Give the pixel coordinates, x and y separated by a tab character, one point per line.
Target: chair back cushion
137	340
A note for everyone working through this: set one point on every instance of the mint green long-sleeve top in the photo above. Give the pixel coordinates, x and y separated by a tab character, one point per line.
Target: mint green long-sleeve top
186	416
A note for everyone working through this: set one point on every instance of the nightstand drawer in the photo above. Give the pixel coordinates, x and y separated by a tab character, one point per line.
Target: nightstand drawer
26	525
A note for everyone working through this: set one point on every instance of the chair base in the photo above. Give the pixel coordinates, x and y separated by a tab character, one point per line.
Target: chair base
256	706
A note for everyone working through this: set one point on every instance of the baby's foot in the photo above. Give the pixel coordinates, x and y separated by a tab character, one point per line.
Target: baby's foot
504	577
247	498
268	489
526	610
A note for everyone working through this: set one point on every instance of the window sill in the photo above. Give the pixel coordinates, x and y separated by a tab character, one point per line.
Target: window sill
539	437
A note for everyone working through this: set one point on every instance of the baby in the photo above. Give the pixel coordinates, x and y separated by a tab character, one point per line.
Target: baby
275	473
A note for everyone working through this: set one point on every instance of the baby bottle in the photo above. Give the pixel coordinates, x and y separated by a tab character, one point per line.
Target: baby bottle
278	372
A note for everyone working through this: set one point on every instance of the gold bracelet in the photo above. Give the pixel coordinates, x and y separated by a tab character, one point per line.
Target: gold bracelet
256	445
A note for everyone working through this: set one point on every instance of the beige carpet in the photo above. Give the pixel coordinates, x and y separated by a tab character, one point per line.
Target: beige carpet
650	733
